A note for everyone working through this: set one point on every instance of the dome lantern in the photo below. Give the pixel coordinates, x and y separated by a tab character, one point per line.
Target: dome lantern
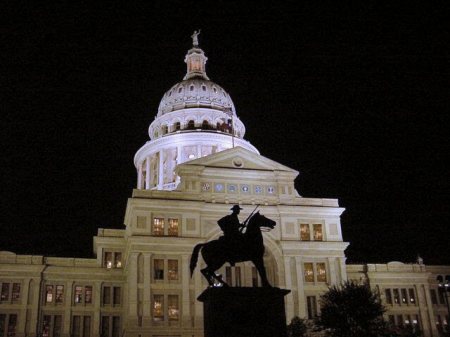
195	60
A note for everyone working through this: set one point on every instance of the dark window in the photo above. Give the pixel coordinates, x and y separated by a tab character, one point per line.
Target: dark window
312	306
388	296
191	125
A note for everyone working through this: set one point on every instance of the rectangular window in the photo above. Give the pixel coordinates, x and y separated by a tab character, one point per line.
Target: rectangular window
15	296
158	308
78	294
412	296
76	326
59	297
2	325
116	295
118	260
49	294
106	295
404	298
312	306
115	326
105	326
107	261
317	231
321	272
304	232
254	277
441	296
158	226
396	296
237	276
399	320
172	309
5	292
228	276
88	294
87	326
173	227
158	269
433	296
388	294
57	326
172	270
308	272
12	322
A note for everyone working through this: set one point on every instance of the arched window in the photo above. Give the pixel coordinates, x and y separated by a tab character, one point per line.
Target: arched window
215	90
165	129
180	89
205	125
204	87
177	126
191	125
191	88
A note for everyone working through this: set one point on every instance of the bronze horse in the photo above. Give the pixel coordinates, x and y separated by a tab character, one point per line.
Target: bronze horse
250	248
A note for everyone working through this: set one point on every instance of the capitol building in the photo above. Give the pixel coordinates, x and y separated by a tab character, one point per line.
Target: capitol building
194	167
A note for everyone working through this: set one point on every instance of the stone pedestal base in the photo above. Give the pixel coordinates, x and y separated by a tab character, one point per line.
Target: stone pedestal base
244	312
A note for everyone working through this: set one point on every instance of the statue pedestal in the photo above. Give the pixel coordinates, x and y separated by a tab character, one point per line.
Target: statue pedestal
244	312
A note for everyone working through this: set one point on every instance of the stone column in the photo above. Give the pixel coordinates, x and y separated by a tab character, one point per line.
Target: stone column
139	176
288	282
97	292
185	304
146	301
300	287
161	169
343	270
199	151
147	173
426	312
198	321
132	289
332	270
179	157
67	311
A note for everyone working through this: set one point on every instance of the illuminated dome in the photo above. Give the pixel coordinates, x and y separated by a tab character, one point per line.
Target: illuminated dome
196	118
196	92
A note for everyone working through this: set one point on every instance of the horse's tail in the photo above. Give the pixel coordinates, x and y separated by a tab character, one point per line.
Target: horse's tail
194	257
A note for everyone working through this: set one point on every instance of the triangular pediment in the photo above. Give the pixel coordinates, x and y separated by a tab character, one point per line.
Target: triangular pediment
238	158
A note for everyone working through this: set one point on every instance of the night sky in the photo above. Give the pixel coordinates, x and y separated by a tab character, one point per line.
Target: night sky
356	98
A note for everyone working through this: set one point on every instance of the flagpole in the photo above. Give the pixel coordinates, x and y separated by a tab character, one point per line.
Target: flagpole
232	130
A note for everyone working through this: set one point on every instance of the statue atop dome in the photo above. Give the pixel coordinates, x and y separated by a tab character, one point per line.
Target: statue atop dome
195	37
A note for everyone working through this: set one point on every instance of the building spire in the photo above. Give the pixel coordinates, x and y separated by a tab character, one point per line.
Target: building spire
195	60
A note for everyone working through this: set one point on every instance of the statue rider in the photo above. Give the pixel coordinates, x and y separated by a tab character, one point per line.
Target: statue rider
231	226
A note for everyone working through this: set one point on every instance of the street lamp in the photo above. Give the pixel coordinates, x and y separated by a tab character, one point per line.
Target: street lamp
444	287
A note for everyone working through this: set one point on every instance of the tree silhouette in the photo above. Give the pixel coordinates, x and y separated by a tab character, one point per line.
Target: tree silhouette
297	327
351	310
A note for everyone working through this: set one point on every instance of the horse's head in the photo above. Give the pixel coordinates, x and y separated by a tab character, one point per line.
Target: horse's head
258	220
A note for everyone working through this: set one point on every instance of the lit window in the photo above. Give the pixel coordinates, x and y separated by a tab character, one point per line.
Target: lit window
172	309
173	270
321	272
317	232
158	226
88	294
118	260
78	294
309	272
396	296
158	308
107	262
173	227
412	297
304	232
48	294
59	298
5	292
15	296
404	299
158	269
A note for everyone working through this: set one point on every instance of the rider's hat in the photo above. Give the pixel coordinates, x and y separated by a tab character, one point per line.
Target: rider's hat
235	207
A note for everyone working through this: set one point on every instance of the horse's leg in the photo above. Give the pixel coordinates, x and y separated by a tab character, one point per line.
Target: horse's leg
208	275
259	264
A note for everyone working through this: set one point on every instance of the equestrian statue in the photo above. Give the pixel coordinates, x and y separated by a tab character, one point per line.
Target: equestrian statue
234	246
